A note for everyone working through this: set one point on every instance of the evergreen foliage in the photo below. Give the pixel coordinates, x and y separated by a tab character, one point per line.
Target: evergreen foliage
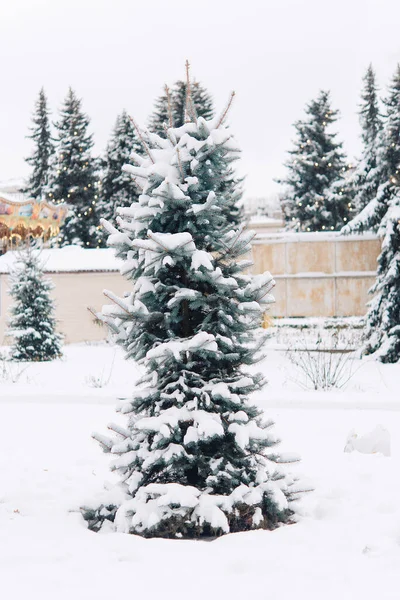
170	110
387	173
73	175
32	323
196	458
118	188
383	319
317	195
382	214
170	107
369	173
43	148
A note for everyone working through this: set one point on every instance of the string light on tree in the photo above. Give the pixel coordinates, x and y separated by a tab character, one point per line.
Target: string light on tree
74	177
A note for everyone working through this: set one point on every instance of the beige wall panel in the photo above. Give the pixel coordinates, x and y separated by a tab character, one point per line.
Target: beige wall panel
269	257
298	296
311	297
73	293
352	295
310	257
357	255
278	309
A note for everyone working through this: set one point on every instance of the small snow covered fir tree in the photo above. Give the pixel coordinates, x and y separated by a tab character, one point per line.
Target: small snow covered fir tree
316	195
383	319
43	148
32	323
196	458
73	177
118	188
387	173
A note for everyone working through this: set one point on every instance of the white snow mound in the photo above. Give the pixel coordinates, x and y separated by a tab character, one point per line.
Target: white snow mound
373	442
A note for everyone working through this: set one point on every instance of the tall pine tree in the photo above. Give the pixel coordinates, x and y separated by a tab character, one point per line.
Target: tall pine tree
383	318
118	188
43	148
387	173
32	323
73	176
316	195
369	173
382	214
368	178
196	458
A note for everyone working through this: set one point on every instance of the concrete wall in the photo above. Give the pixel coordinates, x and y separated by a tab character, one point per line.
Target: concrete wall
317	275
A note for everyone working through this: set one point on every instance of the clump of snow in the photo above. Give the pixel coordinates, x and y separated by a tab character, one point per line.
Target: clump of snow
200	341
155	503
373	442
201	258
152	505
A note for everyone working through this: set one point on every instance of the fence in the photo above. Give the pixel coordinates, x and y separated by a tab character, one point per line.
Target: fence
318	274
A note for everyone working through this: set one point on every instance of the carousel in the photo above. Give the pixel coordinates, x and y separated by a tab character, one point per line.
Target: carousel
23	219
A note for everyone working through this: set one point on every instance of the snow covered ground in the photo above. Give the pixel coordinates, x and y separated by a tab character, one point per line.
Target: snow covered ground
346	545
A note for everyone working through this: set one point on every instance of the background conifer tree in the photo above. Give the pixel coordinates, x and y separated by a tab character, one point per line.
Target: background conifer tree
372	216
382	214
316	195
32	323
73	175
43	148
196	457
383	318
118	187
170	107
367	176
369	173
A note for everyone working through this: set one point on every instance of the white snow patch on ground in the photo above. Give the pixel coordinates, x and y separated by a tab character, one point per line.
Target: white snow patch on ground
346	545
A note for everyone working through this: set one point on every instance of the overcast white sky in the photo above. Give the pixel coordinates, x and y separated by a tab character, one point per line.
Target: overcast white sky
118	54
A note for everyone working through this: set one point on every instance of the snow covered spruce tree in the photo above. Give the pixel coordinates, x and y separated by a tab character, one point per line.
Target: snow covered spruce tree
316	195
196	458
43	148
387	173
382	214
32	323
118	188
73	176
383	319
367	177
